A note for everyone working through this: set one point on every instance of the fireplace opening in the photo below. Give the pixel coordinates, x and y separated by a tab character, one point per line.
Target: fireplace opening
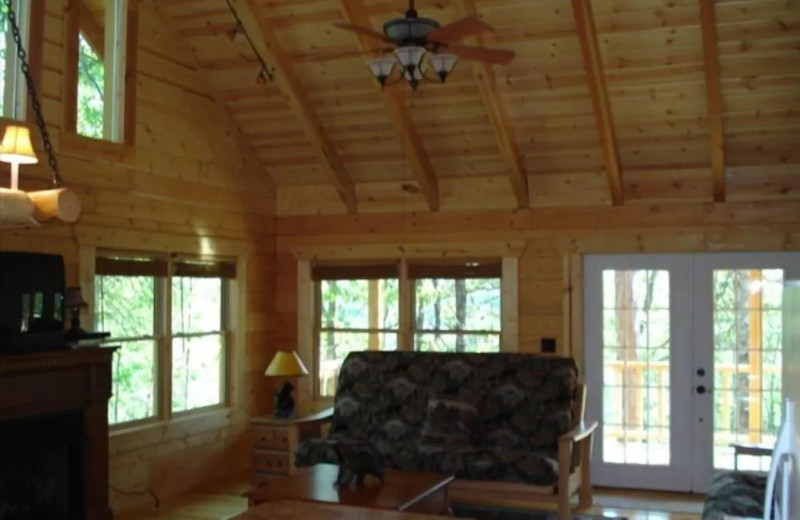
41	467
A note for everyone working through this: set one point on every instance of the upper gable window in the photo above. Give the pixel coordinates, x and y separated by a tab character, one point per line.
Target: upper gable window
13	102
101	60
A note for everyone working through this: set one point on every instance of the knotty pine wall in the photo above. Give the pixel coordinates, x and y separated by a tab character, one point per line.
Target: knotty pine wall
555	240
186	186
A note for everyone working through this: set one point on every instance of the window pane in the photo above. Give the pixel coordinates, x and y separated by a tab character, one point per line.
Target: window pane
125	305
196	305
197	371
133	383
334	347
462	304
450	342
345	304
91	80
4	49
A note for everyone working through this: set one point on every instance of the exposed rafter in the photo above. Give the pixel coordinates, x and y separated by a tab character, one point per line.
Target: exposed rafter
484	74
708	22
593	65
270	50
398	113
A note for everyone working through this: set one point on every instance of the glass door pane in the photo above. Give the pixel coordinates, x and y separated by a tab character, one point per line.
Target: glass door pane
747	325
636	367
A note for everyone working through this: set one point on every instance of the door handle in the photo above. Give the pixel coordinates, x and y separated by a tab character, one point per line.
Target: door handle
701	389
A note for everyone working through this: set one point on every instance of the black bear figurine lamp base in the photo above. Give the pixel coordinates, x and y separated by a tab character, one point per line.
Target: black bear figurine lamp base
286	363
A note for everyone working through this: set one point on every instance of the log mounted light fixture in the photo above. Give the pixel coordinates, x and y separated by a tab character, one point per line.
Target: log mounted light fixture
17	207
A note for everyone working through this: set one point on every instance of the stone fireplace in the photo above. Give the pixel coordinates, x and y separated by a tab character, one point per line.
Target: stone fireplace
54	435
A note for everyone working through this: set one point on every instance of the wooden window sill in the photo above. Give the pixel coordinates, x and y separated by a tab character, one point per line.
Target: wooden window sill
77	145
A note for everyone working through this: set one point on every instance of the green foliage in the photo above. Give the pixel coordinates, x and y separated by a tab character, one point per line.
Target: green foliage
91	78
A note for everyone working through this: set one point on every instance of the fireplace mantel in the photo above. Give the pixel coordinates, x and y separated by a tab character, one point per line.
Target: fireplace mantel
51	382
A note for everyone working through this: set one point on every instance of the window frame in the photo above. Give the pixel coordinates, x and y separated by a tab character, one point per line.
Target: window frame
119	106
31	29
309	310
164	337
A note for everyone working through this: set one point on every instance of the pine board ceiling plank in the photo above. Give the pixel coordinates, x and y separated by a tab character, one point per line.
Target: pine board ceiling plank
593	65
708	26
287	82
399	115
498	118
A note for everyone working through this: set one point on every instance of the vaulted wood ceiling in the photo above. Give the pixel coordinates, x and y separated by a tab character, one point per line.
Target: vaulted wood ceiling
610	101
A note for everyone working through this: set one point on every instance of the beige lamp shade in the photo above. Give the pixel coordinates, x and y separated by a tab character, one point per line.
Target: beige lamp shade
16	146
286	363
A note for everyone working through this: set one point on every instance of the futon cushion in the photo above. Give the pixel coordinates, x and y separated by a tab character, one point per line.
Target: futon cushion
450	420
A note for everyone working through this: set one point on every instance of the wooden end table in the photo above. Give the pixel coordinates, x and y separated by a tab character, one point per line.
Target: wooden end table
404	491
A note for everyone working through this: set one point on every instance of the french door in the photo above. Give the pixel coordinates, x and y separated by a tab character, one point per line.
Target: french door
683	361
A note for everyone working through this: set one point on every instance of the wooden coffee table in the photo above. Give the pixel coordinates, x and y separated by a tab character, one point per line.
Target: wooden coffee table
408	491
293	510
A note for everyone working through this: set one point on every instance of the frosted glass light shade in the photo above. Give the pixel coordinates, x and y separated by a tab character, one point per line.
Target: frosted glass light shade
286	363
409	56
381	68
443	63
16	146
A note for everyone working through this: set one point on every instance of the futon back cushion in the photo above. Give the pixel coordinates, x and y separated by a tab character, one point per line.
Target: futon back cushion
450	420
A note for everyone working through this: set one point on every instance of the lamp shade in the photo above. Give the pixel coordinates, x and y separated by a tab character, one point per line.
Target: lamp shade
286	363
409	56
74	298
381	68
443	63
16	146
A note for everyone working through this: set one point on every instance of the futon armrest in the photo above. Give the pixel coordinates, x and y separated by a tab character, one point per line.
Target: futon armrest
322	416
580	432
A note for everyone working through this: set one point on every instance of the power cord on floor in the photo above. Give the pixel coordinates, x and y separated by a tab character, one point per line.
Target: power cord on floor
147	491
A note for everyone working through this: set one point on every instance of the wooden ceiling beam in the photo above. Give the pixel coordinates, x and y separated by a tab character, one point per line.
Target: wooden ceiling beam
268	46
593	66
708	24
498	117
398	113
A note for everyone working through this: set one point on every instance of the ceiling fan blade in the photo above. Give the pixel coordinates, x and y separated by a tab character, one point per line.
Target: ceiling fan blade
458	29
363	30
494	56
338	55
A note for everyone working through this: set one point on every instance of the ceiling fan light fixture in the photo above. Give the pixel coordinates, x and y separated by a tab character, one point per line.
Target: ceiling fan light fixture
407	30
443	64
381	68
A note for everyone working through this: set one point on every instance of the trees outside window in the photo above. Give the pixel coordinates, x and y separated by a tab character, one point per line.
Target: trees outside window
91	81
457	315
355	314
132	302
125	306
13	93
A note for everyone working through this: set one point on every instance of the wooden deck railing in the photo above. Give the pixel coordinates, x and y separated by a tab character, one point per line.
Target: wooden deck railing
724	429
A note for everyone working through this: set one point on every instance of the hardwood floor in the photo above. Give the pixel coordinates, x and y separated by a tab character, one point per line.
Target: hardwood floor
222	499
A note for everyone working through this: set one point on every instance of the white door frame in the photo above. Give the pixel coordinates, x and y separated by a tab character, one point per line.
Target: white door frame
703	266
676	476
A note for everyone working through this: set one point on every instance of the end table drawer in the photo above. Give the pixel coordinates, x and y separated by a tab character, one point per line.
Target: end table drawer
271	438
267	462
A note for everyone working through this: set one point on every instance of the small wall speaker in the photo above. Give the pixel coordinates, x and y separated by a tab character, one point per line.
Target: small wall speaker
548	345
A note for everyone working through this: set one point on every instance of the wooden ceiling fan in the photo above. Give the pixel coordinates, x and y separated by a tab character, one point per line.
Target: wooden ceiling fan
412	37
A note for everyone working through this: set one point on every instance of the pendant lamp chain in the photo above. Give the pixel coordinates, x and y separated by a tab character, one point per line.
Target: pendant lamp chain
37	107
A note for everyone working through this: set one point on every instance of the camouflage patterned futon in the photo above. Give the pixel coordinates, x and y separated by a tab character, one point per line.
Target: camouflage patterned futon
477	416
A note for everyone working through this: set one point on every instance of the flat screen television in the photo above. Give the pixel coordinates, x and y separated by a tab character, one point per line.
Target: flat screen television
31	302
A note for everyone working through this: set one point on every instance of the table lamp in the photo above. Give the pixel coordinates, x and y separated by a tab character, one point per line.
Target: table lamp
74	302
286	363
